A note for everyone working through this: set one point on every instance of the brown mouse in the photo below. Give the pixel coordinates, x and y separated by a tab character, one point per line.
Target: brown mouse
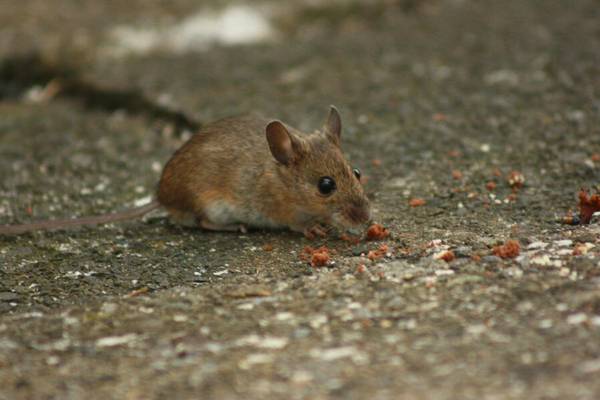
250	172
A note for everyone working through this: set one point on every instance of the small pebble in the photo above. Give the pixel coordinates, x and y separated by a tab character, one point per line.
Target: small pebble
564	243
491	259
576	319
8	296
537	245
463	251
360	249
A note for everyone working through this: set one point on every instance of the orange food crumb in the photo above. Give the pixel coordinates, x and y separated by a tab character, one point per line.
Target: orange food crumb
491	186
439	117
361	269
447	256
580	249
510	249
515	179
377	232
416	202
596	157
454	153
267	247
456	174
320	257
588	205
379	253
306	253
511	197
376	162
497	173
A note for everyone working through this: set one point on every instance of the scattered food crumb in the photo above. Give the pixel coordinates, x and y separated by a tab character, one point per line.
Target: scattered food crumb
416	202
361	269
595	157
446	255
377	232
588	205
376	162
318	257
510	249
516	180
306	253
582	248
491	186
379	253
456	174
267	247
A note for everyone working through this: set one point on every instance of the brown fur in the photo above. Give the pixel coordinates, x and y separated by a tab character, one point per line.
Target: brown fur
230	162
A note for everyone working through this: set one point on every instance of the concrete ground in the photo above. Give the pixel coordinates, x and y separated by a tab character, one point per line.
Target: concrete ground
442	101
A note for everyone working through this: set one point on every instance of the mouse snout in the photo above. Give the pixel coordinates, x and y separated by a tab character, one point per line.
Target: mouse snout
358	211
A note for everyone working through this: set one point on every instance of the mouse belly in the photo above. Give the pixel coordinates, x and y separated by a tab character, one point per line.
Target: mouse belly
221	213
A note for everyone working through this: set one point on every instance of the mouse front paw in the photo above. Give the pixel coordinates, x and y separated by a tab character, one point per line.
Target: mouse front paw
314	231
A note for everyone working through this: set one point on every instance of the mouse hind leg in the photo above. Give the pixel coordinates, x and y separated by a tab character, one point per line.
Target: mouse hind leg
211	226
183	218
191	220
222	216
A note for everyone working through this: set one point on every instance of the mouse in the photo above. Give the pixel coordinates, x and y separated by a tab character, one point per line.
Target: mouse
250	172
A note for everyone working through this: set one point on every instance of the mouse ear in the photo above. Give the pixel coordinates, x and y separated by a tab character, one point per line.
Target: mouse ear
284	145
333	127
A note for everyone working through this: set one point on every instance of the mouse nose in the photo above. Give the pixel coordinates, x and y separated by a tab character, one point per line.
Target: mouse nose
359	211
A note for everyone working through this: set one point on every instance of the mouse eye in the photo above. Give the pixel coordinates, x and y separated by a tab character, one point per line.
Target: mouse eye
356	173
326	185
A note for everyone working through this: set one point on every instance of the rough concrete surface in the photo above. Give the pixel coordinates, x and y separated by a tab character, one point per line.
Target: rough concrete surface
442	100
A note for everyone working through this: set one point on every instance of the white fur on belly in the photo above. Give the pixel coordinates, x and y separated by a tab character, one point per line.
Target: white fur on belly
223	213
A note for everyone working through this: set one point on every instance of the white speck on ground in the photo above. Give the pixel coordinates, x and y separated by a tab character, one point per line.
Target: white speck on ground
111	341
266	342
576	319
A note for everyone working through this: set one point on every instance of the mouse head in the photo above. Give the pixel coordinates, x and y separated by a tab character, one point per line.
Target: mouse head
326	188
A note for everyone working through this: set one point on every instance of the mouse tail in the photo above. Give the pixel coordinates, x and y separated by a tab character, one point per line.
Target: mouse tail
63	224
